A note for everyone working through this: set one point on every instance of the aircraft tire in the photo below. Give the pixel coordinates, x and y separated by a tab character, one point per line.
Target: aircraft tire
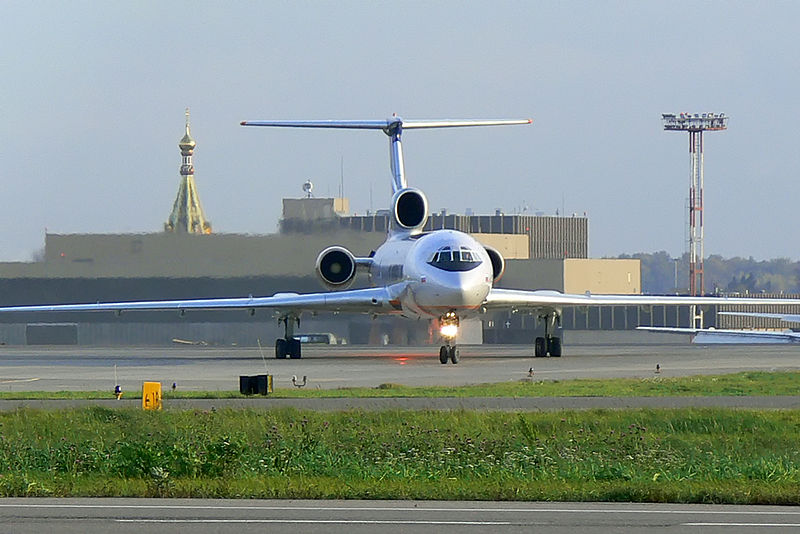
555	347
294	349
455	355
443	355
280	348
540	348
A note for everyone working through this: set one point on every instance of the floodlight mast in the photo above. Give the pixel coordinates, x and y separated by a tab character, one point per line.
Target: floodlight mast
695	124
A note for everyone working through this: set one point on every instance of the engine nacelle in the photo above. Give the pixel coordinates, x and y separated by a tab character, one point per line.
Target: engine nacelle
410	209
498	263
336	267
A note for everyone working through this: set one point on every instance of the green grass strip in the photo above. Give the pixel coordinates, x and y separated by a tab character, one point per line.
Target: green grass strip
686	455
751	383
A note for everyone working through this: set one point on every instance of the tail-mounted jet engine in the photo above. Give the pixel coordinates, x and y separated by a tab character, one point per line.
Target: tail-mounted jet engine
410	209
498	263
336	267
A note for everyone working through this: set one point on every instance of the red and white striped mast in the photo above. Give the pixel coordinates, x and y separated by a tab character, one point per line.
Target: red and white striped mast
695	124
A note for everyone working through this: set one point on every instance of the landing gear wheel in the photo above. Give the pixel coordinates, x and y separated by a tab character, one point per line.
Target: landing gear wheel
443	355
555	347
293	348
455	355
540	348
280	348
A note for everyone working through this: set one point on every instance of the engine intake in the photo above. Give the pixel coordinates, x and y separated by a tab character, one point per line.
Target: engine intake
410	209
498	263
336	267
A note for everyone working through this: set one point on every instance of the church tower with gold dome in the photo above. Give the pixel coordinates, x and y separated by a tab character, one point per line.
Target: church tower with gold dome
187	214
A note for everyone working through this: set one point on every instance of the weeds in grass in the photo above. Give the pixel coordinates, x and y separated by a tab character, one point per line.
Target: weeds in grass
709	455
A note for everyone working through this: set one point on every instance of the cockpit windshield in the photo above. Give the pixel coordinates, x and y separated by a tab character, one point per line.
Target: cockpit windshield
454	259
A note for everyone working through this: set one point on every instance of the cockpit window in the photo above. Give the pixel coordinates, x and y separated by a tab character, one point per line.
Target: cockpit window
461	259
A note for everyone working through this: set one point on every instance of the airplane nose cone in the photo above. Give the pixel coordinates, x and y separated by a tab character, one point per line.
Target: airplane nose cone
454	291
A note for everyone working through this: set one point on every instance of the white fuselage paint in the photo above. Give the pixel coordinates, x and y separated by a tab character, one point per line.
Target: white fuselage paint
431	291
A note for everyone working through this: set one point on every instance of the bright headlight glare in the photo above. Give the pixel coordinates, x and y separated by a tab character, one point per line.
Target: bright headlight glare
449	330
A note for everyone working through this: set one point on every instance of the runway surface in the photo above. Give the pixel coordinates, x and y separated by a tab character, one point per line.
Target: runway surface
201	516
214	368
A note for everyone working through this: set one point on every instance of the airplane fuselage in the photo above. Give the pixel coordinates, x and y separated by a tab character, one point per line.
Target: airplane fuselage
443	271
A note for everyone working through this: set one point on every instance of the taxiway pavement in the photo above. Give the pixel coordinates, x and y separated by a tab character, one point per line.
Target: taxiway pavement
216	368
201	516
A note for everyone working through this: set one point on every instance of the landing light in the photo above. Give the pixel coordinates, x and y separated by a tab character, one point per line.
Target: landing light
449	330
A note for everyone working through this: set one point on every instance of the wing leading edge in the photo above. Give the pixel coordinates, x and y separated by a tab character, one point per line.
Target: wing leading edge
372	300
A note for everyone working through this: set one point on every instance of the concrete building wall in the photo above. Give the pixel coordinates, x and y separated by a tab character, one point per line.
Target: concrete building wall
308	209
216	255
510	246
572	275
548	237
614	276
533	274
181	255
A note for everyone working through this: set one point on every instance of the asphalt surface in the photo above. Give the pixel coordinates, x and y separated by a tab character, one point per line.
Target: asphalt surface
215	368
201	516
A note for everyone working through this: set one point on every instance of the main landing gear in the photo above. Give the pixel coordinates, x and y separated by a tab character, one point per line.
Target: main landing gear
548	344
288	345
448	326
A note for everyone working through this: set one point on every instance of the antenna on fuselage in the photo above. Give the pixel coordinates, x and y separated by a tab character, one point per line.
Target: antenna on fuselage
393	127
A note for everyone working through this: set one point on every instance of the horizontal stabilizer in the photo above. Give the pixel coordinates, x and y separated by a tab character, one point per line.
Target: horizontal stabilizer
393	127
385	125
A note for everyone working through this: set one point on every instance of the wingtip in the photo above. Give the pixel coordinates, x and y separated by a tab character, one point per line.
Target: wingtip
530	121
243	123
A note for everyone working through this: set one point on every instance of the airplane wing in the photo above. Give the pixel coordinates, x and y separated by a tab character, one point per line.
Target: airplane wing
372	300
710	336
545	300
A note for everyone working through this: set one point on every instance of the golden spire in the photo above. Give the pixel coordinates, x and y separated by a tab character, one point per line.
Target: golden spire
186	143
187	214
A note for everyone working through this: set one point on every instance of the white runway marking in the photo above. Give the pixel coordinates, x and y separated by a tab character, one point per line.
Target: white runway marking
754	525
407	509
318	521
18	380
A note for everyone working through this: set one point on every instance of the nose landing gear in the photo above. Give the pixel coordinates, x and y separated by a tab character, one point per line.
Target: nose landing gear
448	326
449	352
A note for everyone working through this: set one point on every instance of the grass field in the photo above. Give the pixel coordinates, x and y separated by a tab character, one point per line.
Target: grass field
746	383
692	455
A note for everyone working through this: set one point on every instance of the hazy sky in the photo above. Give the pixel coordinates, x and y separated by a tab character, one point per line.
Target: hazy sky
93	95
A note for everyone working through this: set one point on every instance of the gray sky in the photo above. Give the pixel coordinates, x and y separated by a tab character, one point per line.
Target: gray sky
93	95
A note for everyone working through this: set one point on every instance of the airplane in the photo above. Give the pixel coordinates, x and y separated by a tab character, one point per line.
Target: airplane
785	317
706	336
702	336
441	275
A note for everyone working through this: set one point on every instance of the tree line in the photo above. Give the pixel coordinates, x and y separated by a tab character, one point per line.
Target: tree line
663	274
